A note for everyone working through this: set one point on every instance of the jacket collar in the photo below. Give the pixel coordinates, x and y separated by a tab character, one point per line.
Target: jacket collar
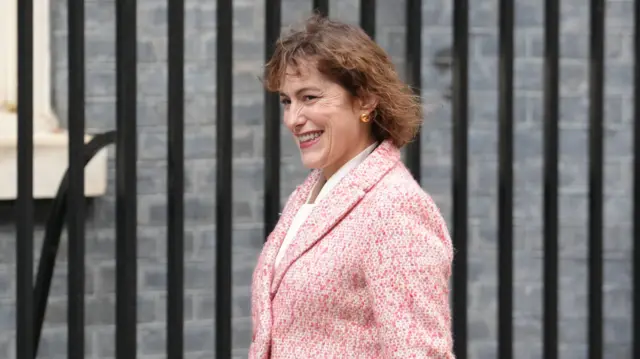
329	211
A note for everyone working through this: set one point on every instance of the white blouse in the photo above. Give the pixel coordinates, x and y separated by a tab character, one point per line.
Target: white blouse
327	186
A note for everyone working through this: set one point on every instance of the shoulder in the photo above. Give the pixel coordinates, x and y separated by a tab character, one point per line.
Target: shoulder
399	191
400	213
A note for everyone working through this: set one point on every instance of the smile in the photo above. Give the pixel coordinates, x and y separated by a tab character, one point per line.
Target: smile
309	138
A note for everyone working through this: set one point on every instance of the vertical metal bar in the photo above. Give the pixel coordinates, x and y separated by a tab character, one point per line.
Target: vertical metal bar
551	139
505	181
596	160
321	7
272	125
25	212
224	198
126	176
460	100
414	77
368	17
636	187
76	204
175	181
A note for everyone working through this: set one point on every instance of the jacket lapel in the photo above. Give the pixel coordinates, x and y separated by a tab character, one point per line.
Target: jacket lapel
335	206
263	275
274	242
275	239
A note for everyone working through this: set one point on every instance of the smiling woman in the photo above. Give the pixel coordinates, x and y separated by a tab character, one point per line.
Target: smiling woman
315	111
359	262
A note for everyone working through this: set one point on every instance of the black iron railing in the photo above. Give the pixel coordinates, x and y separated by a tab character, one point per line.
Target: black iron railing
69	203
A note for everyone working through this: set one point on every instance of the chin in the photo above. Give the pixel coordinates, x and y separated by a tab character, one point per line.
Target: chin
312	161
312	165
314	157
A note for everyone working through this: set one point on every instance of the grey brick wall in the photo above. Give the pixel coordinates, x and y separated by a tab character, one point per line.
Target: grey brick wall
248	171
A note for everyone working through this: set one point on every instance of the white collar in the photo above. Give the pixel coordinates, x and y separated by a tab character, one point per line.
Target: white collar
341	173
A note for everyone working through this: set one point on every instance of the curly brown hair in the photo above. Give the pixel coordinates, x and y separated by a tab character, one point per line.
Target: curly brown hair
347	55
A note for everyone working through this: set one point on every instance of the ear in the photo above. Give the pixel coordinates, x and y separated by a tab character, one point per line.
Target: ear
367	103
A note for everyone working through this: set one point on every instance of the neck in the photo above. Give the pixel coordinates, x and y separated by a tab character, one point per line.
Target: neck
331	170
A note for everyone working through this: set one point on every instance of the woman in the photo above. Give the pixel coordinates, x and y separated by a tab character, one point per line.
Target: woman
359	263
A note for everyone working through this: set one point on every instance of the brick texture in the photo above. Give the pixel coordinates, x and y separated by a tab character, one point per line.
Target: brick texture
436	164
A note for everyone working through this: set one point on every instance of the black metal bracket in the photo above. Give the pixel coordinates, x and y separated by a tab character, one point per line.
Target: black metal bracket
53	231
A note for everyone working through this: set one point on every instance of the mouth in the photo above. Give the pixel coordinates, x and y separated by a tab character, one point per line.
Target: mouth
308	139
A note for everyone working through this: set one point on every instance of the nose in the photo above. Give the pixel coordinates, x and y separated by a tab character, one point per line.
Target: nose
294	117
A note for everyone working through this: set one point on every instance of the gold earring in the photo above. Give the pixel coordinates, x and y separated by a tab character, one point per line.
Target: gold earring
364	117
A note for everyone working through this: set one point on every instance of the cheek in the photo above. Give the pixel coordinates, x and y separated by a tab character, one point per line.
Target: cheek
319	116
344	122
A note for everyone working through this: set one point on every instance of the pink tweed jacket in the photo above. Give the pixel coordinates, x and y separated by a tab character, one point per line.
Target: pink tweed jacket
366	276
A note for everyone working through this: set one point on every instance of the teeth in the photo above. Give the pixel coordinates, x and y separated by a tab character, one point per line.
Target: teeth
309	136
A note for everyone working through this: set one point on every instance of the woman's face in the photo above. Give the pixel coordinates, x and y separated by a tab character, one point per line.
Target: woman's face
324	119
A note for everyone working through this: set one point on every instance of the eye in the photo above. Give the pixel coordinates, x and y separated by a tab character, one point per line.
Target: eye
285	101
309	97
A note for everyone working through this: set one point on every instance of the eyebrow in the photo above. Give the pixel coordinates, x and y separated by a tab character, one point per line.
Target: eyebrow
301	90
